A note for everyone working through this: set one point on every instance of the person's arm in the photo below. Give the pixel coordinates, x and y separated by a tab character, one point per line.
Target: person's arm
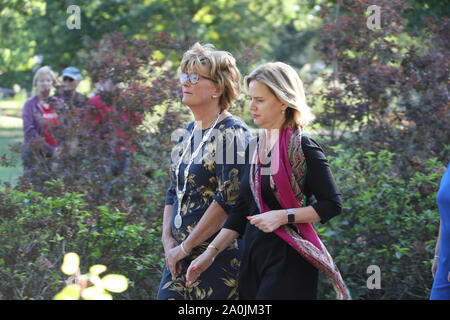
272	220
436	253
320	182
211	222
232	229
204	261
167	239
29	130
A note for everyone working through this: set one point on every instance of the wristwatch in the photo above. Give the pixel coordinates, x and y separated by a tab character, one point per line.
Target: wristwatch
290	216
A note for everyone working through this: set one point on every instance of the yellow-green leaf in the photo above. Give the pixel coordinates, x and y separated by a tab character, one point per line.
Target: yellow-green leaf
97	269
104	296
96	280
71	292
71	263
115	283
95	293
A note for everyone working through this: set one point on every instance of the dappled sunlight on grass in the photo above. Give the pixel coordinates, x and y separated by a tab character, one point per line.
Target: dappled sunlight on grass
10	122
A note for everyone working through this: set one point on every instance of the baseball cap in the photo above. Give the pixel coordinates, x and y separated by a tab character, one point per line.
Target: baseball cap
72	72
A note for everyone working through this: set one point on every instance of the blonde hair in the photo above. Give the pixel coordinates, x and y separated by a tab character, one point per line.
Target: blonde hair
284	82
222	69
45	70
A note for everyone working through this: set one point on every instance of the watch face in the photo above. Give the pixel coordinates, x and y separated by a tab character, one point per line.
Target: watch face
291	217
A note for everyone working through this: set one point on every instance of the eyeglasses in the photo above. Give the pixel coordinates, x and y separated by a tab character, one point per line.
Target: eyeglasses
193	78
67	79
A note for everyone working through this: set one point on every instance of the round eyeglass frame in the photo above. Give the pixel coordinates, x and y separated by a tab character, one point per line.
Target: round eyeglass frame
193	77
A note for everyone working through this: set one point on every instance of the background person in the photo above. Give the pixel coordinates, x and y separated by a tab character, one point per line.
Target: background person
71	77
441	263
41	126
74	105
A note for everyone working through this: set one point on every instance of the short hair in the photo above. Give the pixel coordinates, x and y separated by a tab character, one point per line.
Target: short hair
284	82
44	71
222	69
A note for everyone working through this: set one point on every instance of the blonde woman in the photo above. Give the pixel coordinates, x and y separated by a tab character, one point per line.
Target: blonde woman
204	186
40	126
282	251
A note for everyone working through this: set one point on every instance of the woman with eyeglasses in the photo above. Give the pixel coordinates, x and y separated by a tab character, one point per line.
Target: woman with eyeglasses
204	170
42	129
274	212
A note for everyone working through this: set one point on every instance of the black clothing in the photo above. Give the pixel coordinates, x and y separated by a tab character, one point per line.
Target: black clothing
271	268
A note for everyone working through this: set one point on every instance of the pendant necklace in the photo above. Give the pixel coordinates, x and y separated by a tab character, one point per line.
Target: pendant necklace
180	193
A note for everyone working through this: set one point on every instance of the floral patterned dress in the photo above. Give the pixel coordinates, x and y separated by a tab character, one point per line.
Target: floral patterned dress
213	176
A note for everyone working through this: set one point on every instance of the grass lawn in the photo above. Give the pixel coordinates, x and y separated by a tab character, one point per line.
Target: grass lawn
11	132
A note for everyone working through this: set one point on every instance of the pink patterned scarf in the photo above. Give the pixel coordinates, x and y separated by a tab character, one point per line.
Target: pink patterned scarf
307	243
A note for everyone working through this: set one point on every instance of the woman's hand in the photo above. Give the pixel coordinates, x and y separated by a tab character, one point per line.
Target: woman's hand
173	258
199	265
170	243
269	221
204	261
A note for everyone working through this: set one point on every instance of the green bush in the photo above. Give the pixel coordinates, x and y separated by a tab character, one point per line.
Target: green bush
388	220
38	230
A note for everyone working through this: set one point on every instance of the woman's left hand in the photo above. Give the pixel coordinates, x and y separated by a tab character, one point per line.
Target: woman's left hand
198	266
268	221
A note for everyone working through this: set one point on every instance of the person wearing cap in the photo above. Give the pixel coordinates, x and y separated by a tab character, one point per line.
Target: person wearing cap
71	79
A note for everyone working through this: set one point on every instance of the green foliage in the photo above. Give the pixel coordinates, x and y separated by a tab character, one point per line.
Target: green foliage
421	9
38	230
38	28
387	220
390	216
388	86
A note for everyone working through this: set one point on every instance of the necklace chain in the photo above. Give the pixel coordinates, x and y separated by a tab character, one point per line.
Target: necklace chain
180	193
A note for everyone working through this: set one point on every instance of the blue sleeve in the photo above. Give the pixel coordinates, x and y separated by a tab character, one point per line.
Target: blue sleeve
171	194
230	162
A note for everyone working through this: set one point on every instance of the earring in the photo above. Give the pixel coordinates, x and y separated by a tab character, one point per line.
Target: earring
283	111
214	96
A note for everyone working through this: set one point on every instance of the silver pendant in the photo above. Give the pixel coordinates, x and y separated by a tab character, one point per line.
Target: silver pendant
177	221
